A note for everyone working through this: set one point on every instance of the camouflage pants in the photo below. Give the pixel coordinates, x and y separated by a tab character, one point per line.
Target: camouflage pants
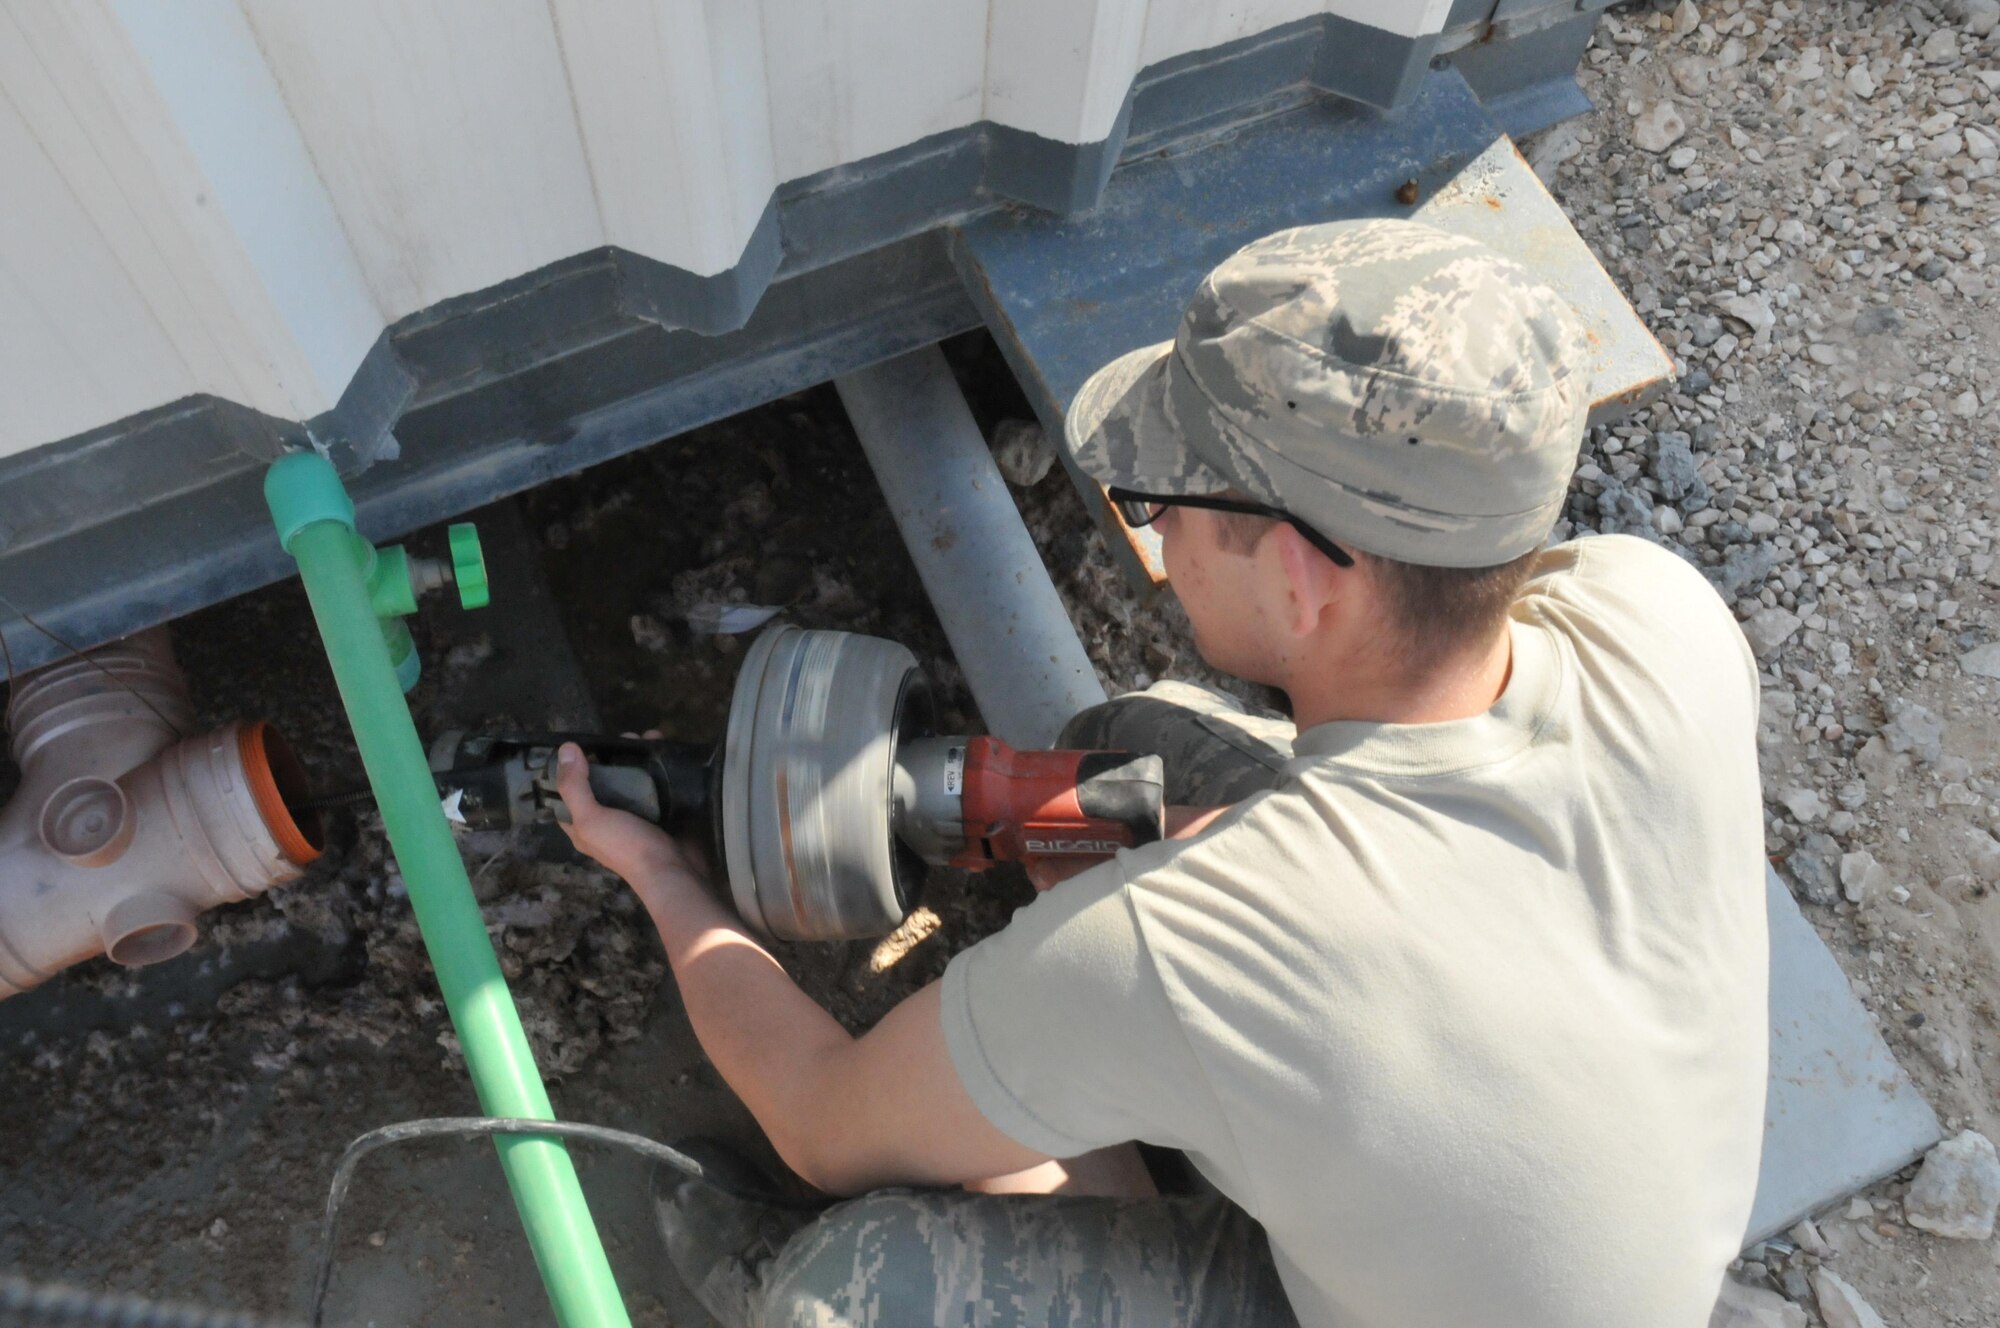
900	1258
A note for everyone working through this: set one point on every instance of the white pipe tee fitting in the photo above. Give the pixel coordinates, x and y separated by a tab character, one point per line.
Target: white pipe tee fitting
123	830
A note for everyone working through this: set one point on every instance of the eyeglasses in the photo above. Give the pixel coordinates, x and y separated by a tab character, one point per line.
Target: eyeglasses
1143	509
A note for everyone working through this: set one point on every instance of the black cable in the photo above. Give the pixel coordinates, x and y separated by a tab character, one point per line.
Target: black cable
333	801
25	1304
473	1127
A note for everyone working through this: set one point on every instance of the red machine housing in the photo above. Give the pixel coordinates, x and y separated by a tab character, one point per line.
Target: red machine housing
1024	805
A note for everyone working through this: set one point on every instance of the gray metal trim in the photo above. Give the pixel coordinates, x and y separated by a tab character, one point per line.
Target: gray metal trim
1469	13
1527	81
157	514
1051	175
359	430
674	297
1371	66
605	384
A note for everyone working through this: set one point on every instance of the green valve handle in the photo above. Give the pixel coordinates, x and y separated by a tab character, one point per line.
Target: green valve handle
468	566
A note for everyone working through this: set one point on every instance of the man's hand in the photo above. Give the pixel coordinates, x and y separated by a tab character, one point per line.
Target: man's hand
847	1114
637	850
1182	823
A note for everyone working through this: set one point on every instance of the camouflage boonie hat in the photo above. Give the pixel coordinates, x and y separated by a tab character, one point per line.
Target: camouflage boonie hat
1394	386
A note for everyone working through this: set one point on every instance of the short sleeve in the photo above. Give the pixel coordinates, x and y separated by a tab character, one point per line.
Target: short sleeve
1061	1031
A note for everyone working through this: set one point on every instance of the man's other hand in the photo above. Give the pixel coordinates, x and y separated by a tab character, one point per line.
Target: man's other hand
633	847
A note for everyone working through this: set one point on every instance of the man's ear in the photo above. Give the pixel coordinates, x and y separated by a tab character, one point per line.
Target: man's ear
1313	585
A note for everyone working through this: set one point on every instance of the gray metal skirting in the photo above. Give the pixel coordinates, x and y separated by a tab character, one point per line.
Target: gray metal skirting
483	395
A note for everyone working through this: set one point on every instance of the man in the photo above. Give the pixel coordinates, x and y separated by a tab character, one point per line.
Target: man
1461	1005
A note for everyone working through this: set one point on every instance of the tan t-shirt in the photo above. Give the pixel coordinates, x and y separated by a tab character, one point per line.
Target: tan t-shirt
1471	1016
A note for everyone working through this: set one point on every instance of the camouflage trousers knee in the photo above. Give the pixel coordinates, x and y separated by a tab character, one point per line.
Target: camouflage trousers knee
906	1259
901	1257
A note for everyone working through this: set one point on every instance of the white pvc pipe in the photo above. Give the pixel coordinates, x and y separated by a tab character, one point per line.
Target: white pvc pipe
1006	624
122	829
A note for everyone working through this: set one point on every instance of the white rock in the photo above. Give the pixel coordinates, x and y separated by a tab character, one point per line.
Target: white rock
1681	158
1667	520
1804	804
1938	1048
1754	309
1687	17
1554	146
1966	404
1980	17
1982	854
1860	82
1022	452
1840	1304
1957	1190
1861	877
1982	661
1658	127
1916	730
1754	1307
1941	47
1979	144
649	633
1806	1235
1768	629
1691	74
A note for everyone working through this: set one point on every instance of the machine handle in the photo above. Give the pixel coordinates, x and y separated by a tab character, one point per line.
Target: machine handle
1126	790
625	788
1061	804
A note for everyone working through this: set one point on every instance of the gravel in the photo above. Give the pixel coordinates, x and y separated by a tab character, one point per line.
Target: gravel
1798	199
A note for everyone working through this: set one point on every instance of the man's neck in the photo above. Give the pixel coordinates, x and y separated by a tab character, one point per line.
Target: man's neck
1373	687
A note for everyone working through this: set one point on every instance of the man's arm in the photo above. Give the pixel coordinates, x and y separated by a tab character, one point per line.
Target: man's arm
848	1114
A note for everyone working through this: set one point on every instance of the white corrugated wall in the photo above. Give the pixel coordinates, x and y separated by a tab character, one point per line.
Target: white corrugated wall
236	198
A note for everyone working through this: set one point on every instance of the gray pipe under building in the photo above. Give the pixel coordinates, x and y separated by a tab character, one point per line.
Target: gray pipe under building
1006	624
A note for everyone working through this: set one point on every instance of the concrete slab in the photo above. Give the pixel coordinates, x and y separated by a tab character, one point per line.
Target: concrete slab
1841	1113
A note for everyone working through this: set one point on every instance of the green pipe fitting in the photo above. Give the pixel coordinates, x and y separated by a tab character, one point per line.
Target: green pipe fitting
390	592
303	488
468	566
315	521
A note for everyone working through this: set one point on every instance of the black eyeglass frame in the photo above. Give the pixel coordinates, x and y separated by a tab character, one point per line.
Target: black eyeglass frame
1143	509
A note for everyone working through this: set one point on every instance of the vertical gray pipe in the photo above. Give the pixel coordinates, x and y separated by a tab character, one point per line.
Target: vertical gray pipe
1006	624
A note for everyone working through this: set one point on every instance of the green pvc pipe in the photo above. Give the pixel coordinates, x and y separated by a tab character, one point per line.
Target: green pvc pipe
315	521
